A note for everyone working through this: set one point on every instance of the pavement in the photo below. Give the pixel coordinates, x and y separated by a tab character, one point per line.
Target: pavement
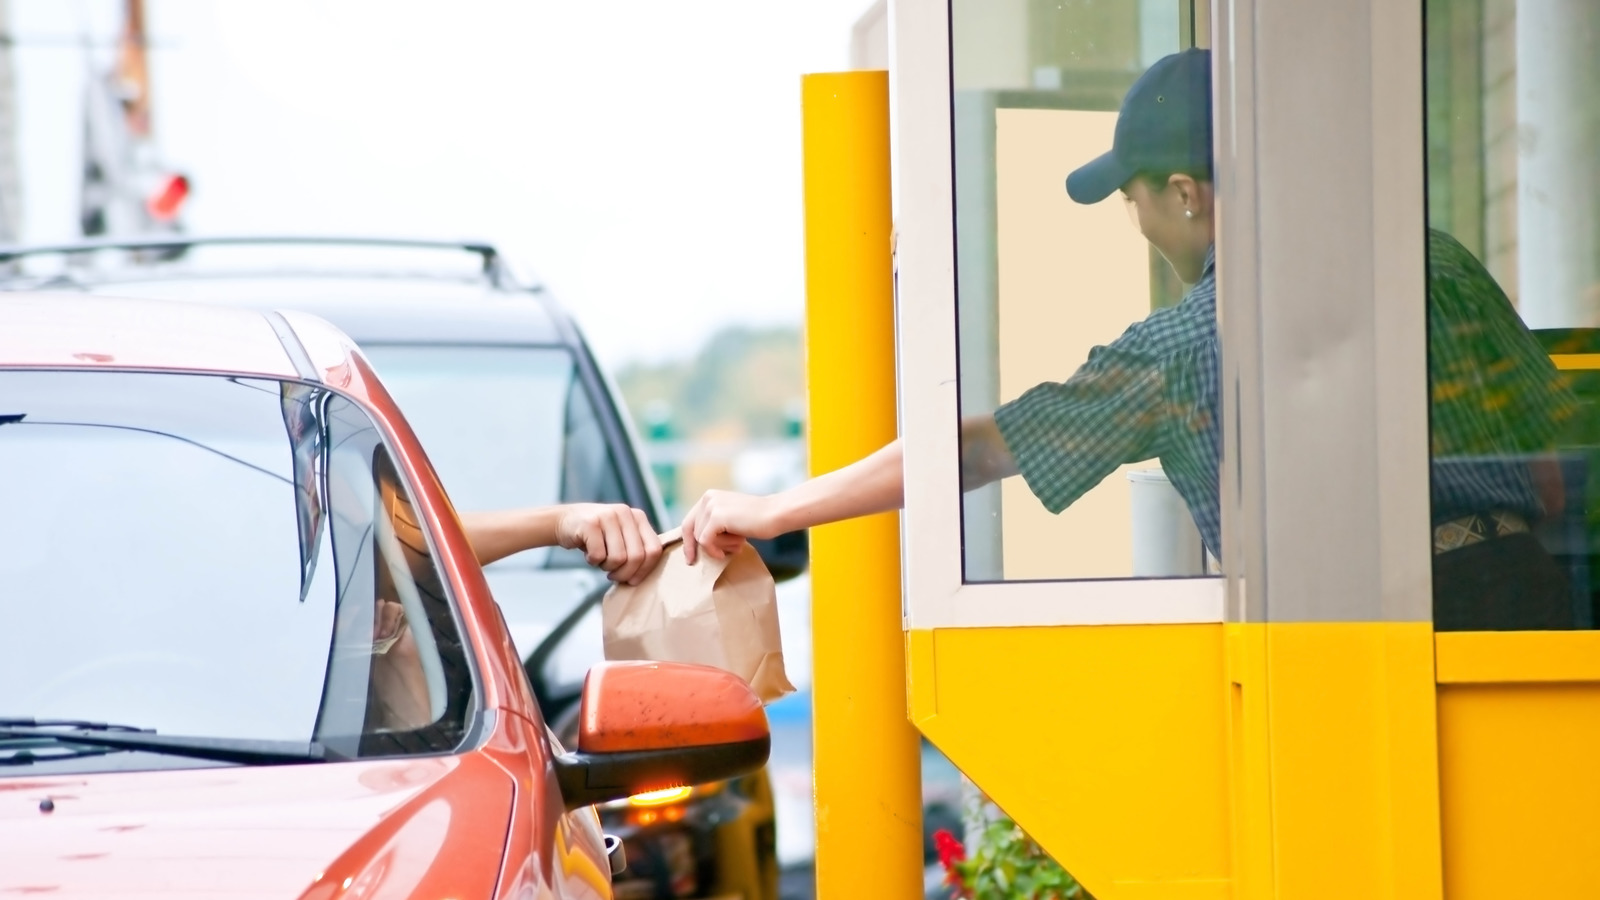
797	883
800	883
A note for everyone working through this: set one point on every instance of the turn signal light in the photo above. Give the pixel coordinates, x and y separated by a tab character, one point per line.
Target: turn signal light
661	798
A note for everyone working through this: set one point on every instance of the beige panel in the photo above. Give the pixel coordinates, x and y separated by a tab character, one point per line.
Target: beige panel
1070	277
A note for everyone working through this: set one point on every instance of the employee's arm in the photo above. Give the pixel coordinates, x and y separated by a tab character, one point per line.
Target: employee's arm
872	485
616	538
984	455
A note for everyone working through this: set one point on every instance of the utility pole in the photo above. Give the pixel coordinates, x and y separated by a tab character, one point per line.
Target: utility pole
126	189
10	192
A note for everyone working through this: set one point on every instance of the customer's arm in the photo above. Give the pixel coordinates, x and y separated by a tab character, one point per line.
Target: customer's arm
871	485
616	538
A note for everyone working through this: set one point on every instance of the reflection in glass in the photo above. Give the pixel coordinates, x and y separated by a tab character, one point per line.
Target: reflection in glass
307	442
1108	411
1513	300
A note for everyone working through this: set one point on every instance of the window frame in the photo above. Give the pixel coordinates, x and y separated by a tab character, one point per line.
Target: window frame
936	594
476	717
1324	310
1314	383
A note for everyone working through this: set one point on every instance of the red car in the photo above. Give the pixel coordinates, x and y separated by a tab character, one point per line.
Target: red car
248	651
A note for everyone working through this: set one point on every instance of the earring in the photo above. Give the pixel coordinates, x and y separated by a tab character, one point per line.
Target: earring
1188	214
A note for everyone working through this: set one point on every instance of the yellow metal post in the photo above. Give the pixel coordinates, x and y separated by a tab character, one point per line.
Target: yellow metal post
867	762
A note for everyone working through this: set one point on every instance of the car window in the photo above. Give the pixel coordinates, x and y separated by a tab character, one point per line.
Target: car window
504	427
563	671
220	557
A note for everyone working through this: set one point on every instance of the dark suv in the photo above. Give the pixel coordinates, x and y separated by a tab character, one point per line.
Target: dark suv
512	410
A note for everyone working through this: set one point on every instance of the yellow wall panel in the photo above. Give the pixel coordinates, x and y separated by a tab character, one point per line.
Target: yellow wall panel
1353	760
1249	744
1107	744
1287	760
1508	657
1520	769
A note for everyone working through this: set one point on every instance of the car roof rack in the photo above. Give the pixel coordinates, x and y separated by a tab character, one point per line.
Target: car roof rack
494	264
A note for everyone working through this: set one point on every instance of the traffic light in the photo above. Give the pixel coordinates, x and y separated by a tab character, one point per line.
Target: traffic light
165	201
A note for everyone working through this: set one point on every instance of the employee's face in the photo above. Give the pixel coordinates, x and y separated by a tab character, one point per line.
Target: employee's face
1175	220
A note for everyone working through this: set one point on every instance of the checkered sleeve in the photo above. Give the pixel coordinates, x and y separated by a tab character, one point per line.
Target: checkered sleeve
1068	436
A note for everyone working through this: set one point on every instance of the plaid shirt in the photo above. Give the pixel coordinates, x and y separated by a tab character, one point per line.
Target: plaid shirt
1154	393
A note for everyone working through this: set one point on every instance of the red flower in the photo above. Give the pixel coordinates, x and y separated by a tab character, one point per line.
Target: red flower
950	853
950	849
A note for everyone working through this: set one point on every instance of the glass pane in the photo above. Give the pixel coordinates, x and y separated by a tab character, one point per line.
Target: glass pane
494	422
1087	328
202	584
1513	123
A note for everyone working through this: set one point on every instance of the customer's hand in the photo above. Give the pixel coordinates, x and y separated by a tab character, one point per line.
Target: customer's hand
614	537
720	522
399	683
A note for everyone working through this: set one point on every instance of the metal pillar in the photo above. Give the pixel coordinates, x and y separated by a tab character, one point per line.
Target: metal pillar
1558	123
867	764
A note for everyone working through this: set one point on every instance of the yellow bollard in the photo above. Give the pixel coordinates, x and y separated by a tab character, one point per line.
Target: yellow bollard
867	755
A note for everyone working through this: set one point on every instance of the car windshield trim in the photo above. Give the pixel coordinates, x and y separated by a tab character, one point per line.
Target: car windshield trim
20	419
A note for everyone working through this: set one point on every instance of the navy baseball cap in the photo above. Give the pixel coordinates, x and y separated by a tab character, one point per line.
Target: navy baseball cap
1164	126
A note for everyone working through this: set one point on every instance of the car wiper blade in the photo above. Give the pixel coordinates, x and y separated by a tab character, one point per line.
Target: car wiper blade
20	722
245	752
29	755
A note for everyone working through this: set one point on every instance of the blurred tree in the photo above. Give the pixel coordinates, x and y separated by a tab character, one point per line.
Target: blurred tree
748	378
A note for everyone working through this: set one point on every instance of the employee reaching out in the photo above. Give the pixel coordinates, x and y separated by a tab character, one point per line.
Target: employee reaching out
1151	393
1496	401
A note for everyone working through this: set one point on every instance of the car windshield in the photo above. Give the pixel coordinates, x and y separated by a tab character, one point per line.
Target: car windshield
220	557
504	427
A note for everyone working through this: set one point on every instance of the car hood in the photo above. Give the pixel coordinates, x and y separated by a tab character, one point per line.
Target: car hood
353	829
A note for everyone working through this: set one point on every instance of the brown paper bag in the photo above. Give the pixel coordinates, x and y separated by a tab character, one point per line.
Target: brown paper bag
717	612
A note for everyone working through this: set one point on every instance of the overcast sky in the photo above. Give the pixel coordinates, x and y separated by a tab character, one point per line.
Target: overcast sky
643	157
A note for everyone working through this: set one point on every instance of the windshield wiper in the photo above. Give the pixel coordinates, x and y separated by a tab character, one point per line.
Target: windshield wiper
245	752
33	753
21	722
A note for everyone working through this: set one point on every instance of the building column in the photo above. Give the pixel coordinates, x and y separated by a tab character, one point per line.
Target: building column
1558	171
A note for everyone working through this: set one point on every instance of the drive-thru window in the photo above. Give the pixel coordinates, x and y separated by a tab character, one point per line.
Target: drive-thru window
1296	600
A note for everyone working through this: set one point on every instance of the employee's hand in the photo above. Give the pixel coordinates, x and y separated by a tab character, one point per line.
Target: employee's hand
614	537
720	522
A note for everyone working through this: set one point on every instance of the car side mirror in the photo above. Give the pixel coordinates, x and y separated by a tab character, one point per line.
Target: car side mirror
786	555
650	726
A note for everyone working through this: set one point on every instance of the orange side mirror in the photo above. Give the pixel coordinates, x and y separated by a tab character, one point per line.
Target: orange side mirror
647	726
631	706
